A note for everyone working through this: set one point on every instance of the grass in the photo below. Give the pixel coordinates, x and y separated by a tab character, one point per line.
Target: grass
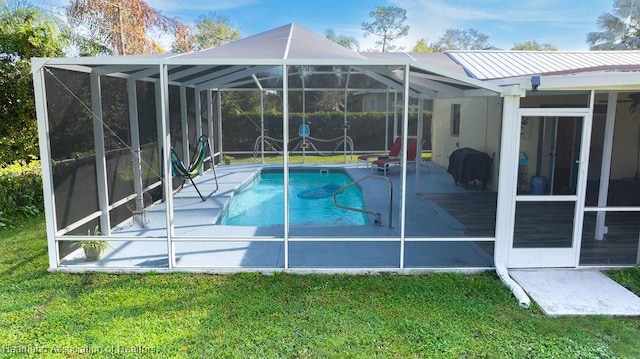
629	278
286	316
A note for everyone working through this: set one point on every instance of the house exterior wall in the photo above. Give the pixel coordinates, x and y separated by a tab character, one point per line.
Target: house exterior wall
626	144
480	129
480	124
376	102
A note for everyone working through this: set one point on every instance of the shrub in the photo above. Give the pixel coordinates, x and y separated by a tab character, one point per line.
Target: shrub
367	129
20	191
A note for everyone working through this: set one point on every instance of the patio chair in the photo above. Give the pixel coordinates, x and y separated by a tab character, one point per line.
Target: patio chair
188	173
384	163
394	151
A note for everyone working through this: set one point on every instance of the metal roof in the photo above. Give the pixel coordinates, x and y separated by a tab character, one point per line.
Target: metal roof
499	64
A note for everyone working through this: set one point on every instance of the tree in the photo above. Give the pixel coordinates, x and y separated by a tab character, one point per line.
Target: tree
214	30
184	40
468	39
422	45
328	101
533	45
349	42
122	27
26	32
620	28
387	25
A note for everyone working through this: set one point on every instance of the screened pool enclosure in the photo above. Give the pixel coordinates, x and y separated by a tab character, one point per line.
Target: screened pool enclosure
289	181
274	107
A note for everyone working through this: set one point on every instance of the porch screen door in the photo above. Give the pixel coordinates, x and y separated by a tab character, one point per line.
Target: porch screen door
549	201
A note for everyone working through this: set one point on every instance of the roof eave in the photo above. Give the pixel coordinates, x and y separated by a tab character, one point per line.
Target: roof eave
468	80
591	81
105	60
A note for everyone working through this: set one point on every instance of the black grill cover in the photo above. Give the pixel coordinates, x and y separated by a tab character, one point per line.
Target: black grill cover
467	164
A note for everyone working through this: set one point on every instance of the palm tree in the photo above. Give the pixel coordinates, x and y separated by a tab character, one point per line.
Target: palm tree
620	28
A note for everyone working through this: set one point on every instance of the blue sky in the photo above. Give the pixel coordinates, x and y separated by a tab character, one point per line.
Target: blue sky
563	23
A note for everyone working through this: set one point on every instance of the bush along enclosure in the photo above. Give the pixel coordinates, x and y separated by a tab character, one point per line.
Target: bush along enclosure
20	191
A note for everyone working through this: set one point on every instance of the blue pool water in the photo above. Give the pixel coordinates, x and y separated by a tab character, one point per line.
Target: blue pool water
261	202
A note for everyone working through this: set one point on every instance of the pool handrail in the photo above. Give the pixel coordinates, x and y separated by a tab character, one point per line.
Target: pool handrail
375	214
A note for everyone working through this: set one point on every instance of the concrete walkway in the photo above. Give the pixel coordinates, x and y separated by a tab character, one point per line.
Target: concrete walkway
577	292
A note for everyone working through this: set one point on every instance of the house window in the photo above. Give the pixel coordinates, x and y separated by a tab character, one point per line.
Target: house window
455	120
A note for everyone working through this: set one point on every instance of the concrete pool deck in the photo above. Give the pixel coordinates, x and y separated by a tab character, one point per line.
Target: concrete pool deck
200	243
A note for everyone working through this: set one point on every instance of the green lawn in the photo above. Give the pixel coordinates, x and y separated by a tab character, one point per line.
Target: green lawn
285	316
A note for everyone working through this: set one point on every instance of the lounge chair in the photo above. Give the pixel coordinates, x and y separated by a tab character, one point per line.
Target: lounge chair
384	163
188	173
394	151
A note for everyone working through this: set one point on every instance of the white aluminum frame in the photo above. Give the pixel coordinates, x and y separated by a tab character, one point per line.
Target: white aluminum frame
555	257
162	94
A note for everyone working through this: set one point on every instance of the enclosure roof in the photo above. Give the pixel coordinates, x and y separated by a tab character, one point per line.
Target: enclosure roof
282	43
254	61
499	64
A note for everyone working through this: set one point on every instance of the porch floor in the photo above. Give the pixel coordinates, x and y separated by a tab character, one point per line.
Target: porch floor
476	213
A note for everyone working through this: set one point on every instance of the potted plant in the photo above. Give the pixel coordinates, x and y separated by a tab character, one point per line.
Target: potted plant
93	249
227	159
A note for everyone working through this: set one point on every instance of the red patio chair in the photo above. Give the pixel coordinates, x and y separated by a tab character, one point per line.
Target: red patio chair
394	151
384	163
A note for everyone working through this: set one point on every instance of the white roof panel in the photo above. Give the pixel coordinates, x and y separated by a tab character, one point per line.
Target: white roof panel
496	64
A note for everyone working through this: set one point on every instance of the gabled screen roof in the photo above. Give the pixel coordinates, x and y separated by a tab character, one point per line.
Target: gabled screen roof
236	64
285	42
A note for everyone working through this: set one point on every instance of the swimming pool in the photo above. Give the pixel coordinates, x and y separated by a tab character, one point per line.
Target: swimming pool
259	203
